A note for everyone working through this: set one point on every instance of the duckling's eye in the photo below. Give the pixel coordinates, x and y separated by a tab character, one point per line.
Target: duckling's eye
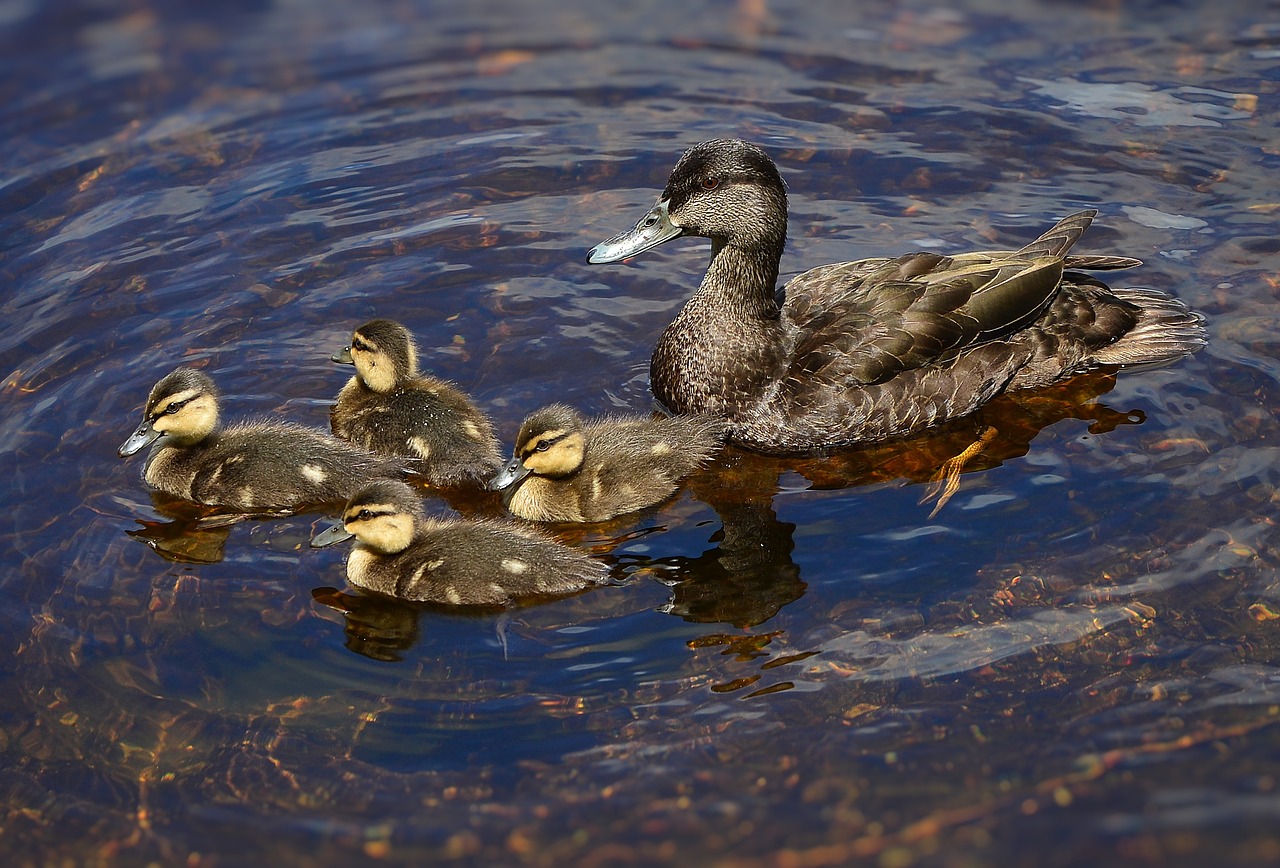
543	446
364	515
173	408
710	183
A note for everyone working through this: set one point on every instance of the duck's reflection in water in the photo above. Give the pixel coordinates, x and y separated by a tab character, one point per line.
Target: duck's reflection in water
750	575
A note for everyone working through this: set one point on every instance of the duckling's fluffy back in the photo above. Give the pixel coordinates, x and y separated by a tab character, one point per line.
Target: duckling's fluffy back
263	465
630	463
425	419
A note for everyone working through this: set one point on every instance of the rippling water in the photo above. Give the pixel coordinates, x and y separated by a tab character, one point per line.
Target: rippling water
1075	660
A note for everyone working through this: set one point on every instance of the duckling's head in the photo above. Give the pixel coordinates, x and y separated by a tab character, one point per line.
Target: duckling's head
727	190
383	352
384	515
551	443
182	408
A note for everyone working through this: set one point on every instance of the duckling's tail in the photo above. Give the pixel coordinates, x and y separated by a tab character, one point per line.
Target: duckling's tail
1167	331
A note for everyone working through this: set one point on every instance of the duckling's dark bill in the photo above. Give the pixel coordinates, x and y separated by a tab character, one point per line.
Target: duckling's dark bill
331	535
655	228
144	436
343	356
511	473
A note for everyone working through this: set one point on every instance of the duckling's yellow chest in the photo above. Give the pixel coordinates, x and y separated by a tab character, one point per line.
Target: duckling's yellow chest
542	499
360	566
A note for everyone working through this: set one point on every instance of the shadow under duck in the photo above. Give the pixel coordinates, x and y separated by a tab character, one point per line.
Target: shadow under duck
401	552
567	469
862	351
390	408
252	466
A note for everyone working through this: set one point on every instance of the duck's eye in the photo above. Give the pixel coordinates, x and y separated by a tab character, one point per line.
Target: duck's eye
710	183
543	446
364	515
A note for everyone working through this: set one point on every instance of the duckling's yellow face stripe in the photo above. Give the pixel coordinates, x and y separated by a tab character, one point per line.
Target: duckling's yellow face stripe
381	526
556	452
373	366
190	413
368	512
174	403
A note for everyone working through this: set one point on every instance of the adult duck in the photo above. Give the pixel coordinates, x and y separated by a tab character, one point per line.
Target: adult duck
862	351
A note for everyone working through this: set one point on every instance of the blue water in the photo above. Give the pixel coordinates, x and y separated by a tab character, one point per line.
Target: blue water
1075	660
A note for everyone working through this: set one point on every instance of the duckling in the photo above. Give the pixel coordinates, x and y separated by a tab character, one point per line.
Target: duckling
565	469
401	552
251	466
862	351
389	408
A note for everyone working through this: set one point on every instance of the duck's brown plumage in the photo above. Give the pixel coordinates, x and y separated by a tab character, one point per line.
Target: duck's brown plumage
862	351
565	468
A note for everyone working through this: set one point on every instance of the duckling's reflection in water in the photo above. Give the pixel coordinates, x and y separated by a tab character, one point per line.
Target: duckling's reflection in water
376	627
197	534
192	534
185	540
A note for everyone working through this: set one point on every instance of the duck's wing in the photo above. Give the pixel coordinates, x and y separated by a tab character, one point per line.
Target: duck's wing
867	322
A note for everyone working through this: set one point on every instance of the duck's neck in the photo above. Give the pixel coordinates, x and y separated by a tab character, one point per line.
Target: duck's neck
727	342
744	278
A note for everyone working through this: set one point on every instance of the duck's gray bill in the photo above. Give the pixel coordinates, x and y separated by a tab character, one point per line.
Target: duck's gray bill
655	228
343	356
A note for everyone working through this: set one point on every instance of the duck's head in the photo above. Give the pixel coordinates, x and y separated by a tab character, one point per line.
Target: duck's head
726	190
182	408
551	443
384	515
383	352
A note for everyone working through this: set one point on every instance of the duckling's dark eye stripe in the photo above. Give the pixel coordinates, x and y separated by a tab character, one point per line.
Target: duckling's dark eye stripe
542	444
173	407
357	344
364	513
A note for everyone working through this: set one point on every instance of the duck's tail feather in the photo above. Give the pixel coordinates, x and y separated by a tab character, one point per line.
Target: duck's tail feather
1100	263
1061	238
1167	331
